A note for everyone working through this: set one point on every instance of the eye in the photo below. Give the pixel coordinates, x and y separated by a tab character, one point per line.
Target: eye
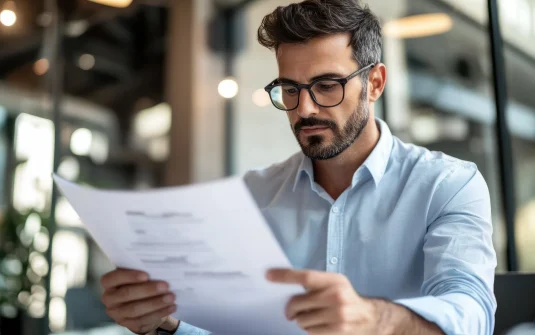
290	90
326	86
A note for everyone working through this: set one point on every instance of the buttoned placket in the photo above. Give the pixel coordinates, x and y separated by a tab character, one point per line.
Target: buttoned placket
335	235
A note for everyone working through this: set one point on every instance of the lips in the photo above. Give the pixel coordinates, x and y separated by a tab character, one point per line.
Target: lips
313	125
314	130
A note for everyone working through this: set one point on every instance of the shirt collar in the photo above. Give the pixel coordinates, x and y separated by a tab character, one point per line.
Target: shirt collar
376	162
307	168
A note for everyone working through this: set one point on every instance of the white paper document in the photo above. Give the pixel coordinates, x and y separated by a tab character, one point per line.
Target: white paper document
210	242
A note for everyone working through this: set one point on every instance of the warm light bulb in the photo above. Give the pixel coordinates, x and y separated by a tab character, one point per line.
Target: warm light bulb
114	3
419	26
41	66
8	17
86	62
81	141
228	88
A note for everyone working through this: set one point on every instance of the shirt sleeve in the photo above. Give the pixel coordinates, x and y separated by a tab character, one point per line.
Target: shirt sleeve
187	329
460	261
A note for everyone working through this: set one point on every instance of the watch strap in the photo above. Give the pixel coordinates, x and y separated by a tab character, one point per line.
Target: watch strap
161	331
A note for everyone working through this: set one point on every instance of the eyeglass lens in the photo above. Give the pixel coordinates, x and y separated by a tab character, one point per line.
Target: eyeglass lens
327	93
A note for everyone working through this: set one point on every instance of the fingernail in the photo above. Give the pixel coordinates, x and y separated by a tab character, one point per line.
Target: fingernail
172	309
168	298
143	277
161	287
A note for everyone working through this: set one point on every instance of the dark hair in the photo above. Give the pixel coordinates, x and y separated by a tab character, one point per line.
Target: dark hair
300	22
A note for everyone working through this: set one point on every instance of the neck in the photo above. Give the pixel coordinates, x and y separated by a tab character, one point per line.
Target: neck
335	175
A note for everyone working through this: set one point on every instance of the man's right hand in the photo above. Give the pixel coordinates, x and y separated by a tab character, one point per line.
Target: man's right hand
137	303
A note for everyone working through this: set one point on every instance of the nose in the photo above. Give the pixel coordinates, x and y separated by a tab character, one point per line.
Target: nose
307	107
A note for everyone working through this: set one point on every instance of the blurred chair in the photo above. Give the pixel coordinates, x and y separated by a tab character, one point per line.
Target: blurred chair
515	294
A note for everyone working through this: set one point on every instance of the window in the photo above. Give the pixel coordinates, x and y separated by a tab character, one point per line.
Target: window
520	69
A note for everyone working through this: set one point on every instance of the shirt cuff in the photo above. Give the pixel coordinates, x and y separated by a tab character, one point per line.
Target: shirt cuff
455	314
187	329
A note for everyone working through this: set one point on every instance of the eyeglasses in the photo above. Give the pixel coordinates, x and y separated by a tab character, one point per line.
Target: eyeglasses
325	92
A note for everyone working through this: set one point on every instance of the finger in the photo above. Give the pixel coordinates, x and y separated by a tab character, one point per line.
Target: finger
312	280
313	318
148	322
324	317
121	277
333	296
128	293
306	302
142	307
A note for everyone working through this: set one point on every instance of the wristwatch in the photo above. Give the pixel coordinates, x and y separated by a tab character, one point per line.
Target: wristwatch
161	331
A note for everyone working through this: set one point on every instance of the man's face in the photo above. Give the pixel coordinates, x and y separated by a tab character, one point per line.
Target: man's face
324	133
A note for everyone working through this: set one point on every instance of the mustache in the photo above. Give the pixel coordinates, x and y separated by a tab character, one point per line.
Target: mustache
313	122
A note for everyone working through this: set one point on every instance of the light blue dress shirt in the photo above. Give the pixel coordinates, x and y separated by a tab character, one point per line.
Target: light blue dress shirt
414	227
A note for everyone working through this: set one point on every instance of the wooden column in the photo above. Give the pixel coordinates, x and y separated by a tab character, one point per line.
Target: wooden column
193	74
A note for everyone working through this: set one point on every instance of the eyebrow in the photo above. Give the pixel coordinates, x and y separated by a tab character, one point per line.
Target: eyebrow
328	75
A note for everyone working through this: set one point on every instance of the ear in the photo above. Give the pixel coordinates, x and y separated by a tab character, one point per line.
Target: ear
376	82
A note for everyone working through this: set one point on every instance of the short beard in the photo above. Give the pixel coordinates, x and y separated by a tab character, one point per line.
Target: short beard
315	147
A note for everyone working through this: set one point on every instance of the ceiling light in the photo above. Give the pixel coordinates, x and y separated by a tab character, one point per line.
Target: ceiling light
418	26
69	168
81	140
76	28
45	19
228	88
86	62
114	3
41	66
153	122
8	16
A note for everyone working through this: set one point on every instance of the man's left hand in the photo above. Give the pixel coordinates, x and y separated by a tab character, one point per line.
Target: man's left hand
330	306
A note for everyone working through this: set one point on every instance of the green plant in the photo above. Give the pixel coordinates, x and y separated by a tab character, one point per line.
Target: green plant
21	283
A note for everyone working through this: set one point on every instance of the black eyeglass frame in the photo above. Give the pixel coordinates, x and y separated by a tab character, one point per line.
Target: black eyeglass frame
308	87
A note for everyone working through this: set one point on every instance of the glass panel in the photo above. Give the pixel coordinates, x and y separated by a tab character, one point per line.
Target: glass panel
517	24
439	92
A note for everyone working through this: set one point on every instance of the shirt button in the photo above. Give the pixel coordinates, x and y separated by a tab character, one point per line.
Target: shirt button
334	260
335	210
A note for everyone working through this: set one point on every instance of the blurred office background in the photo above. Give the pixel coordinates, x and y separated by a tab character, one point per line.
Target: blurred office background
142	94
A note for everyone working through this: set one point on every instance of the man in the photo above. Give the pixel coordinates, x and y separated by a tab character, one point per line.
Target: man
389	238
